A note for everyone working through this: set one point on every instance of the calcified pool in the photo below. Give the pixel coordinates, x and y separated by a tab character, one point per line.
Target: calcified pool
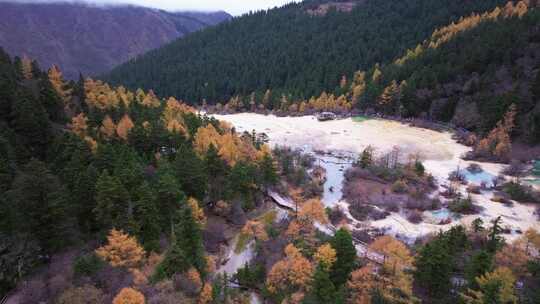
342	140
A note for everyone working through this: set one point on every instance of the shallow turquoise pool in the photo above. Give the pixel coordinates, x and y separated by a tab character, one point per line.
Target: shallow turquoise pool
478	178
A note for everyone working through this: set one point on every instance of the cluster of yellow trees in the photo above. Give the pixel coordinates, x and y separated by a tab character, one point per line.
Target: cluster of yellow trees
230	147
124	251
498	143
446	33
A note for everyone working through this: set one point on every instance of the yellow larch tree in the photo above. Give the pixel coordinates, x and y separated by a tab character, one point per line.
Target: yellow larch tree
205	137
59	85
228	149
255	229
108	128
293	271
79	125
206	295
122	250
325	256
124	127
149	100
398	260
313	210
129	296
501	277
125	96
196	211
361	285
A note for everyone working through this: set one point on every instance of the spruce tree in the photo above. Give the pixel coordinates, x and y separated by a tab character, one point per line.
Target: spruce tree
188	235
112	203
30	121
147	215
345	257
189	170
481	263
51	102
322	288
40	206
170	198
268	171
433	268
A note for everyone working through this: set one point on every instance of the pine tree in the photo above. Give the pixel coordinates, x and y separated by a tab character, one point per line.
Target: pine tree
188	235
345	256
147	215
190	172
268	171
40	206
51	102
83	194
434	267
171	199
112	203
29	119
481	263
322	287
495	241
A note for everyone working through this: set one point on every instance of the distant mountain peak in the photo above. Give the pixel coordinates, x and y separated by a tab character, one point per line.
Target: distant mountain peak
80	36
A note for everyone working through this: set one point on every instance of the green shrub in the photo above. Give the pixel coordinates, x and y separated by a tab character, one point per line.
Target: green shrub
87	265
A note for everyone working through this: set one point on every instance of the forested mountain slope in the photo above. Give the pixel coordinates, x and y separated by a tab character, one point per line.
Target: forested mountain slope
468	73
290	50
91	39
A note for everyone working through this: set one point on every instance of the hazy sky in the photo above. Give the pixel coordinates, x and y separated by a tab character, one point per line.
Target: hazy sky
234	7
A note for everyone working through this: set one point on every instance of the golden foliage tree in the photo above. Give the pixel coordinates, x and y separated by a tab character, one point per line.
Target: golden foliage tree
129	296
124	127
108	128
57	81
228	150
205	137
100	95
196	211
255	229
325	256
293	272
122	250
398	261
514	256
498	142
313	210
79	125
206	295
361	285
501	282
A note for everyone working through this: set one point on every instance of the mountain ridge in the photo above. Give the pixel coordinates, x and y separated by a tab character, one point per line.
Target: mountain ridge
80	37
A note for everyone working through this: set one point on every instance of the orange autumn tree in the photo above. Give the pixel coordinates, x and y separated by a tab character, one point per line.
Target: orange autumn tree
173	116
325	256
228	150
79	125
361	285
129	296
255	229
313	211
121	250
498	142
205	137
292	273
124	126
206	295
100	95
395	271
59	85
108	128
196	211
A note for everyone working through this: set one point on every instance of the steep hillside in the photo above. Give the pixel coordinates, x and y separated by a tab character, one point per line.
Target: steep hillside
290	49
468	73
91	39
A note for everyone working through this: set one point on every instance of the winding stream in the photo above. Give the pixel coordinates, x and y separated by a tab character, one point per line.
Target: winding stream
338	142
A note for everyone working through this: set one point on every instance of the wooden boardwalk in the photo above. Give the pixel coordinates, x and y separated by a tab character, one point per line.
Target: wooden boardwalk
362	249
